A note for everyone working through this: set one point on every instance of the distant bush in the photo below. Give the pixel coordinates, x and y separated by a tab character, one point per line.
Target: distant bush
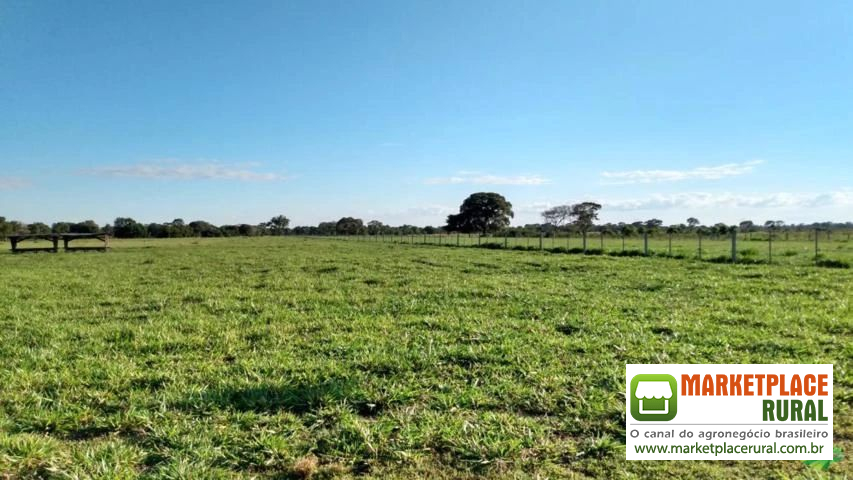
830	263
491	245
740	260
751	261
627	253
679	256
593	251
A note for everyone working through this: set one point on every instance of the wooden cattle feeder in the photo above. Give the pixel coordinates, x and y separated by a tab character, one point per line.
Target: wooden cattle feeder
55	238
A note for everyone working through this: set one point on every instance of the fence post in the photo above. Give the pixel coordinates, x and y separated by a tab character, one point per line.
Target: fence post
646	243
601	240
670	244
479	238
506	241
623	242
540	240
700	245
770	247
734	246
816	251
584	241
457	239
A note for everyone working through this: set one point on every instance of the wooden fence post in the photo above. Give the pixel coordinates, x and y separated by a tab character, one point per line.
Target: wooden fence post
540	240
699	235
816	251
734	246
646	243
770	247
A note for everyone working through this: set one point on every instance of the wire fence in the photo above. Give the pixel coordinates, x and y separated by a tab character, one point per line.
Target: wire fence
821	247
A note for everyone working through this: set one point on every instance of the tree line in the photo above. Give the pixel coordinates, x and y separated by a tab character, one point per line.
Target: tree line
482	213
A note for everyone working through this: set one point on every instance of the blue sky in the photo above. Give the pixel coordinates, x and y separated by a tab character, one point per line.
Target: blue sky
397	110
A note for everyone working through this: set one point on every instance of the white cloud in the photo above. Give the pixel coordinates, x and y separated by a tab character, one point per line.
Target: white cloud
630	177
702	200
478	178
12	183
168	170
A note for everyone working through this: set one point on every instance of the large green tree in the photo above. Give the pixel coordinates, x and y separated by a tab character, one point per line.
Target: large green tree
482	212
583	216
278	224
557	216
126	227
349	226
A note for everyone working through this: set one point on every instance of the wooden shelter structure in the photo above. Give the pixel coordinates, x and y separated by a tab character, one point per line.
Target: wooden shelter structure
55	238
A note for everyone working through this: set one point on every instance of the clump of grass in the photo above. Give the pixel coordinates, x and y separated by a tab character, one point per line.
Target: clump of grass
306	466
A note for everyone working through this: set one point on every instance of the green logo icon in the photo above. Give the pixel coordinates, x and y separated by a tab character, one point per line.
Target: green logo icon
654	397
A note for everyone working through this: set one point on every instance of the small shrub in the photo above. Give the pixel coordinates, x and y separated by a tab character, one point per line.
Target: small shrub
594	251
492	245
748	252
557	250
789	253
830	263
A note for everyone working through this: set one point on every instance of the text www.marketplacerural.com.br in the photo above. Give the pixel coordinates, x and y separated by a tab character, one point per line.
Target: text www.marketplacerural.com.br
724	448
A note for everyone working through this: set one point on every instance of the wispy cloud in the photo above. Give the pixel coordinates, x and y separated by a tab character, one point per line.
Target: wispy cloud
703	200
478	178
12	183
168	170
630	177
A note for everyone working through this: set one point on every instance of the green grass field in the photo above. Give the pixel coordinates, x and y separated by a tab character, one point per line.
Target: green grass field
283	357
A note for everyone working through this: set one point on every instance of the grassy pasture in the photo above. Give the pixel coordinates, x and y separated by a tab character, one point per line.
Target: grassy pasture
278	357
